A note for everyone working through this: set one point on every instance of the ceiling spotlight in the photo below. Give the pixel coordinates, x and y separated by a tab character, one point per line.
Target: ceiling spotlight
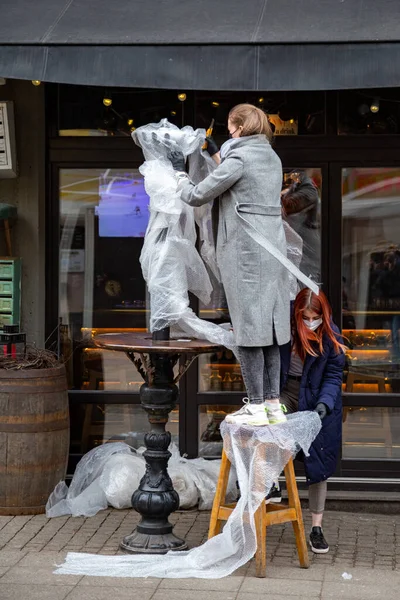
130	121
173	113
107	101
374	108
182	97
215	104
36	82
260	100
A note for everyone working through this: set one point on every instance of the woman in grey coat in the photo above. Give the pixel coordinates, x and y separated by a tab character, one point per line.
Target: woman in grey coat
247	184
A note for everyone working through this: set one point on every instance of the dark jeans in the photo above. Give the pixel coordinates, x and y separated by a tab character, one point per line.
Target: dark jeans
261	372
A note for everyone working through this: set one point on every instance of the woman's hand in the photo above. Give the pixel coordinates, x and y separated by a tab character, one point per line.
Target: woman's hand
322	410
213	150
211	146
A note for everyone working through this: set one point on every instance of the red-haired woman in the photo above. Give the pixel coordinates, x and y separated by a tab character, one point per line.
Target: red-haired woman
312	369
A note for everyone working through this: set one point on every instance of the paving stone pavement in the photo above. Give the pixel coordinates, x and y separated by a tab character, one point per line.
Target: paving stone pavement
367	546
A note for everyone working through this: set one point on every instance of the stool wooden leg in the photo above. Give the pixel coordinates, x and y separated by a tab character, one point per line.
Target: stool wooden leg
220	495
261	533
298	525
7	236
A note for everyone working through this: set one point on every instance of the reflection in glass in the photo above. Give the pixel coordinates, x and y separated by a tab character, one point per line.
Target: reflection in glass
220	372
103	218
371	278
370	432
210	419
96	424
369	112
301	204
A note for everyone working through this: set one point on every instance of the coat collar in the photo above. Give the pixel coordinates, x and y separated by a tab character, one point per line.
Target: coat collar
246	140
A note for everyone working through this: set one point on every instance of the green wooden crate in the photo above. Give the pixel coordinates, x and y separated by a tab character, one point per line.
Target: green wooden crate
10	291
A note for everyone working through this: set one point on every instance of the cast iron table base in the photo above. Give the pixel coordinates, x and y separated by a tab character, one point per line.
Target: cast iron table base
155	499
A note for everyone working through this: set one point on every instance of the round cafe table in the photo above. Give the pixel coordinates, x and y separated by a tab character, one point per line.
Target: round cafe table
155	499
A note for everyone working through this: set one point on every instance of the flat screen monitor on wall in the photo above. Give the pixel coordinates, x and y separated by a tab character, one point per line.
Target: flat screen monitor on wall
123	210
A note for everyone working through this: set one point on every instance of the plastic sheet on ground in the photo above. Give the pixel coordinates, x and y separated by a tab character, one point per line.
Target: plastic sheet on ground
109	474
259	454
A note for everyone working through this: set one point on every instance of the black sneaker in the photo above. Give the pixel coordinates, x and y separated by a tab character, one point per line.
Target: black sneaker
318	543
275	494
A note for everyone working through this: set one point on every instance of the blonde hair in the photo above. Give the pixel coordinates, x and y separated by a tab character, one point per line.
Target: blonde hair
252	119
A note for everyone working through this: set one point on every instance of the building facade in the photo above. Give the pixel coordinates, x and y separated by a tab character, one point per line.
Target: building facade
82	214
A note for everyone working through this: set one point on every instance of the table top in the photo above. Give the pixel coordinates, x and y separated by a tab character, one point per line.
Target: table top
142	342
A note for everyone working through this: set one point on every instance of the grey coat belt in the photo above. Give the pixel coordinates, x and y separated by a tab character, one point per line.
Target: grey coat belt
273	211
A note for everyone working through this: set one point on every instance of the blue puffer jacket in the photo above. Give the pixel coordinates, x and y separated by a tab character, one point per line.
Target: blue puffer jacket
321	381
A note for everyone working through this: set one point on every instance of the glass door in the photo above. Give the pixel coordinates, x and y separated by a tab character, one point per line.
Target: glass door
371	311
103	218
220	383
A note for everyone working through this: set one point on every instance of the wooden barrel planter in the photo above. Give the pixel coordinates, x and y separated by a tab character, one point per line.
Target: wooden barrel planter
34	437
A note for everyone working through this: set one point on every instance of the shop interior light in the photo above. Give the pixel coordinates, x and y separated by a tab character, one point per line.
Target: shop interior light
107	101
173	113
36	82
133	129
215	104
130	122
374	108
182	97
261	100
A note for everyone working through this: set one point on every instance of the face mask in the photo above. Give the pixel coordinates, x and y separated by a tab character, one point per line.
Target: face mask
230	135
312	325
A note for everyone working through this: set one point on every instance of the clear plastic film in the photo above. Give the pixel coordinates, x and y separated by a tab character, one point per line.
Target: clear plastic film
259	455
171	265
109	474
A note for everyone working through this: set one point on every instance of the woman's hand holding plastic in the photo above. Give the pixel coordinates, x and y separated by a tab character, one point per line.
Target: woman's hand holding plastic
322	410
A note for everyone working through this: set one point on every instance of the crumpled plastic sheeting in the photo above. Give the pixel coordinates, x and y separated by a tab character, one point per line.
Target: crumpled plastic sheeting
110	473
170	262
259	455
294	245
85	496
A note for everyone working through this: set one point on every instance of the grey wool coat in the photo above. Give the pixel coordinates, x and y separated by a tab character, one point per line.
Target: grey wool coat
248	181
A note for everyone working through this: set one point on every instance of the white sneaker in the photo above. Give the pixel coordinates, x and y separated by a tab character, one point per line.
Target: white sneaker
275	413
249	414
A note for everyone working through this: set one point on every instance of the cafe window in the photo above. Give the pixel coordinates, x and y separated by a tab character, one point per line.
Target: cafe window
371	278
369	112
101	423
291	113
116	112
96	112
103	217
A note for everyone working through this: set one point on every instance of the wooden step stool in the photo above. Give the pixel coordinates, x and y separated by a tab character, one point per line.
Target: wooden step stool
267	514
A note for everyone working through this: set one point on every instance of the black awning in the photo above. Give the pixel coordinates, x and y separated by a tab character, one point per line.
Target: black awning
203	44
